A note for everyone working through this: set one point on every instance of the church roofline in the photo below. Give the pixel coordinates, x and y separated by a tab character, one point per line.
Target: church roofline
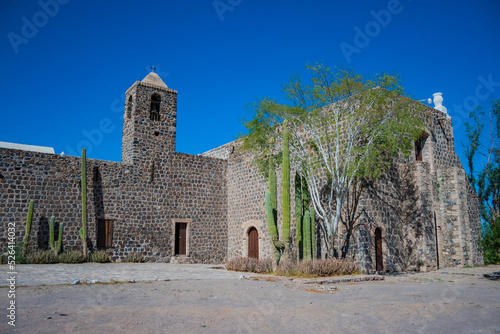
145	84
23	147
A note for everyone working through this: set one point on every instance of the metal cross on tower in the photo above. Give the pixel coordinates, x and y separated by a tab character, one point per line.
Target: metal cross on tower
153	68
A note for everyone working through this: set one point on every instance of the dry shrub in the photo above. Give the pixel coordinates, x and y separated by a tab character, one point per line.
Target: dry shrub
99	256
71	256
311	268
317	268
260	266
41	257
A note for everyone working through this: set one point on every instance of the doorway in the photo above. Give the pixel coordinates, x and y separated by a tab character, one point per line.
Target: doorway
378	250
180	238
104	233
253	243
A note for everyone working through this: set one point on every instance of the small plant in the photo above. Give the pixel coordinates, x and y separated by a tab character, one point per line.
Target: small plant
41	257
71	256
99	256
134	257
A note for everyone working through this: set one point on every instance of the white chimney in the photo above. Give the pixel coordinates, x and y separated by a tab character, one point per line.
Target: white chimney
438	103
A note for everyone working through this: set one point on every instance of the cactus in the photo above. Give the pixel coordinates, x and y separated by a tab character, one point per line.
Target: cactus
271	202
273	228
298	215
51	234
313	232
56	248
286	190
26	239
83	230
307	236
272	188
59	240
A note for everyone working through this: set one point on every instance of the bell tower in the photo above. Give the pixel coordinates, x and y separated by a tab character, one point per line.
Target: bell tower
149	122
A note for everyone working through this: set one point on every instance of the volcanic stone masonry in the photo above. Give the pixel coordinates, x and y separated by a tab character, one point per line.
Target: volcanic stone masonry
175	207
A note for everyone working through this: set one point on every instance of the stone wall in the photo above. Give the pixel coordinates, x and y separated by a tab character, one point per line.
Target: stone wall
143	204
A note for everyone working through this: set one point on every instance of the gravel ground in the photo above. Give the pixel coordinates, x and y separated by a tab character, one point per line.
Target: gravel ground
445	301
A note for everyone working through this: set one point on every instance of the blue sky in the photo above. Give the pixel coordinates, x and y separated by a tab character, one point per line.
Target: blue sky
65	67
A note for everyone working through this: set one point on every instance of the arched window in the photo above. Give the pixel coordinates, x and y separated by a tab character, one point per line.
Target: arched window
154	111
129	107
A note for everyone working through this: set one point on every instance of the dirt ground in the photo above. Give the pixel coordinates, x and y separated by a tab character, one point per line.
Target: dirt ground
447	301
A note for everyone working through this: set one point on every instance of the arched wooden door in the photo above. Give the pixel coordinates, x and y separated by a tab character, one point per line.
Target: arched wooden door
379	260
253	243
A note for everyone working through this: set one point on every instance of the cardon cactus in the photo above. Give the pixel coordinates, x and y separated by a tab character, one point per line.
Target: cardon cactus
56	248
51	234
83	230
306	232
286	190
272	188
313	232
273	228
307	236
298	215
26	239
59	241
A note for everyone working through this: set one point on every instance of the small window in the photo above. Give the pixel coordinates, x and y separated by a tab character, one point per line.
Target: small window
154	111
104	233
419	147
129	107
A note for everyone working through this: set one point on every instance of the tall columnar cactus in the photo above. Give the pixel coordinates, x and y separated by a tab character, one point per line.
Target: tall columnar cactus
83	230
59	241
26	239
298	215
307	236
272	188
313	232
306	231
286	190
273	228
51	234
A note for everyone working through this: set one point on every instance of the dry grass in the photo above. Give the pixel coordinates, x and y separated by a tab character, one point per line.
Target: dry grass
99	256
264	266
41	257
306	269
317	268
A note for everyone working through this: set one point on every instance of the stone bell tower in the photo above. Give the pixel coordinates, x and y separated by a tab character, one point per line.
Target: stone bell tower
149	122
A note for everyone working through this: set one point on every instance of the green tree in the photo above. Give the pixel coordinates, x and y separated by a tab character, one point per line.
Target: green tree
344	130
486	181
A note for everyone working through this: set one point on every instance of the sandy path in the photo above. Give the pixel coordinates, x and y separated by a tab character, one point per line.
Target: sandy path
460	301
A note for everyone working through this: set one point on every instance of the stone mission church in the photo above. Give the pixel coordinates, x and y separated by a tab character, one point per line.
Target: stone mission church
175	207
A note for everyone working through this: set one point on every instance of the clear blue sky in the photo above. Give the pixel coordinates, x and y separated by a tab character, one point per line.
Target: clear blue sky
71	71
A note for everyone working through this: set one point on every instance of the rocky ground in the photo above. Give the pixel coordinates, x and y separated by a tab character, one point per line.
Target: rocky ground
445	301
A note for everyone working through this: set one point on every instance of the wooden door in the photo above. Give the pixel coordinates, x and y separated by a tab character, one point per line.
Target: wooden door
104	233
253	243
378	250
180	238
